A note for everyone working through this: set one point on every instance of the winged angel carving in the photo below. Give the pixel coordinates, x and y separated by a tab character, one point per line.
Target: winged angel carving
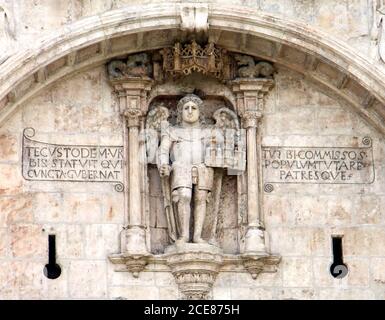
191	158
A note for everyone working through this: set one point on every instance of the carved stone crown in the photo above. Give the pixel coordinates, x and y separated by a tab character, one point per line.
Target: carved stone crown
185	59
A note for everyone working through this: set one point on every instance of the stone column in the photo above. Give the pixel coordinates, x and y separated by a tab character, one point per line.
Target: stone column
250	93
132	93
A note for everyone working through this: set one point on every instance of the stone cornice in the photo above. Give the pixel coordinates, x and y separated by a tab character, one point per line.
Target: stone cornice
230	263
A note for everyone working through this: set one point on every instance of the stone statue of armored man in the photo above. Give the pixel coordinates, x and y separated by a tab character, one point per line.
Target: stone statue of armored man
186	156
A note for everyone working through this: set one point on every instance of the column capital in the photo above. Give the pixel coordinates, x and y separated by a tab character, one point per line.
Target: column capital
250	94
131	85
132	95
251	118
252	86
132	117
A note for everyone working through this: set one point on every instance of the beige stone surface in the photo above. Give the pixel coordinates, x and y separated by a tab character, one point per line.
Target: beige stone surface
134	293
220	293
297	272
293	241
15	209
27	240
293	92
58	288
336	121
310	105
101	240
251	294
9	146
169	293
364	241
121	279
4	242
164	279
224	280
306	211
29	279
40	110
87	279
275	209
74	238
82	208
317	14
13	125
377	272
369	209
8	287
296	294
340	211
87	226
67	90
243	279
300	121
112	208
48	207
10	179
358	274
346	294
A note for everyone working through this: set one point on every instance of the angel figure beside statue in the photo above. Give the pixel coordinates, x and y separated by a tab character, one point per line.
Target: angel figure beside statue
186	156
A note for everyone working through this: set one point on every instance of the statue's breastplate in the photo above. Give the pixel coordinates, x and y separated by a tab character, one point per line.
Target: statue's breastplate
188	146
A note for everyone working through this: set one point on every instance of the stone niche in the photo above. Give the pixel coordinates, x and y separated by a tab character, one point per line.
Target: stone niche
192	179
226	217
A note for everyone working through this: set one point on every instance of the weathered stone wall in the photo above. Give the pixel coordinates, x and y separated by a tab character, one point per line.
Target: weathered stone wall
87	217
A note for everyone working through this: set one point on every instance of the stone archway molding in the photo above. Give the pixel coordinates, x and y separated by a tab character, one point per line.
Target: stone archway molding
330	63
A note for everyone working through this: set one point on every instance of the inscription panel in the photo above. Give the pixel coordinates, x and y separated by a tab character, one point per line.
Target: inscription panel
318	165
43	161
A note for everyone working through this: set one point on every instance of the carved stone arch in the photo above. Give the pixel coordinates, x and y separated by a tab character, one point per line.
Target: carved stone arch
91	41
94	41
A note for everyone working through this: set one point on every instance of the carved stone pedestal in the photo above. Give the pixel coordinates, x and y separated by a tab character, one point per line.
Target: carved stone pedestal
134	263
195	267
257	263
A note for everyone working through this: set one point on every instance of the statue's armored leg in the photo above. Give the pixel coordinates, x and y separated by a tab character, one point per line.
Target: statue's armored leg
184	211
199	214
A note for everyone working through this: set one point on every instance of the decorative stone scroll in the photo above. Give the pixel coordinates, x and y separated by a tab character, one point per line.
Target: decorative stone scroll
318	165
42	161
192	158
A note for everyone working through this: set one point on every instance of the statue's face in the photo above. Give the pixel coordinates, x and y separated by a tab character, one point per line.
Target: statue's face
190	112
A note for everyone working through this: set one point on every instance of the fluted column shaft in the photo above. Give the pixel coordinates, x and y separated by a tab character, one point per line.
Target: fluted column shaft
132	94
250	95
